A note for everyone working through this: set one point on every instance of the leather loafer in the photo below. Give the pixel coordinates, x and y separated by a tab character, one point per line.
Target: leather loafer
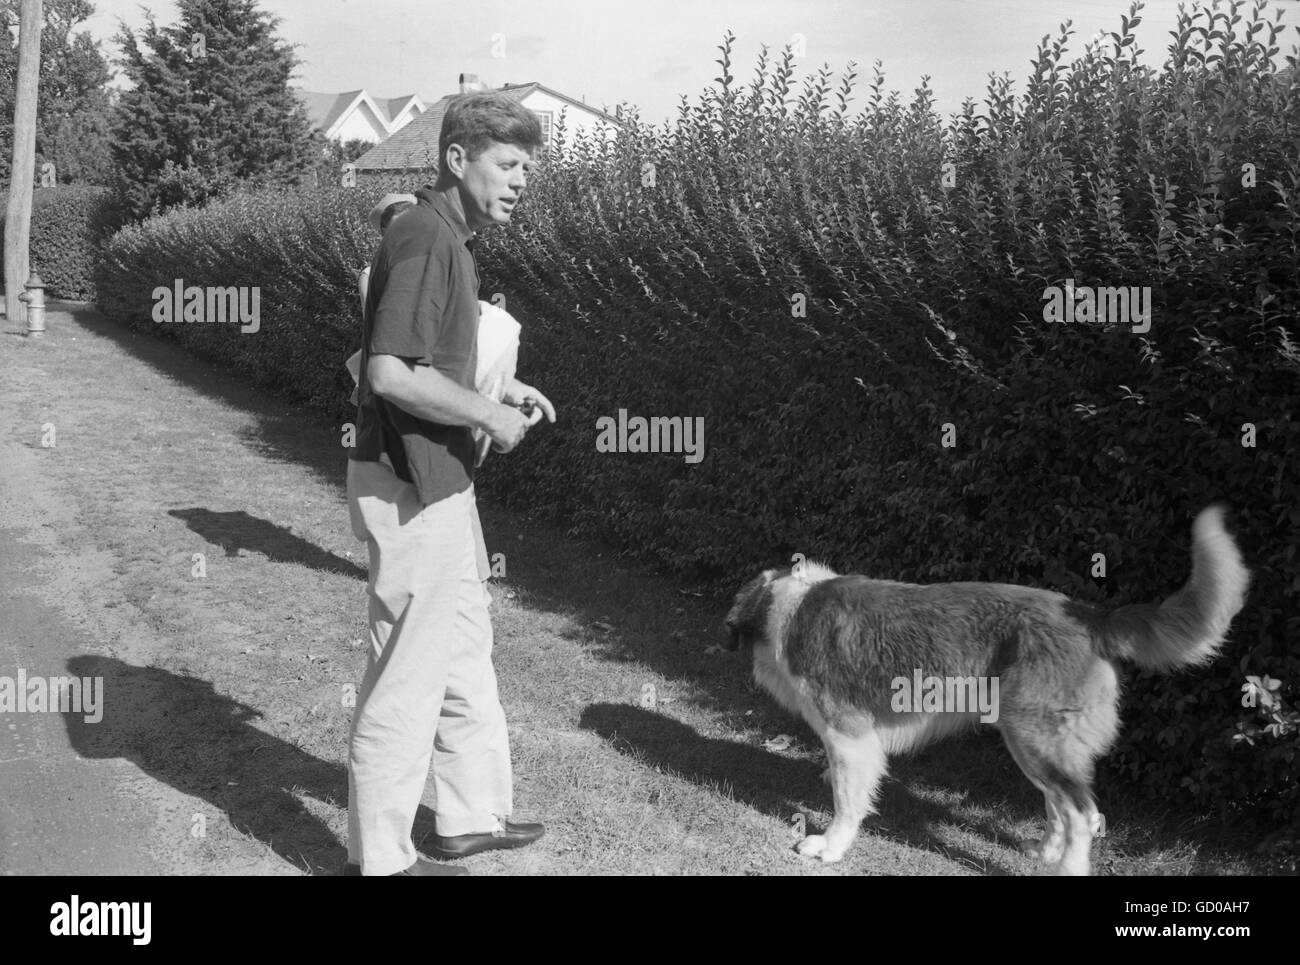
463	845
423	868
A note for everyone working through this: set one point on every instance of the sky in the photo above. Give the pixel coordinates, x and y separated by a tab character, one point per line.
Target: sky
650	52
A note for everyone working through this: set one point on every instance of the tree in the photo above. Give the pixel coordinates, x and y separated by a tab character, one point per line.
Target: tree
331	155
80	145
211	107
74	100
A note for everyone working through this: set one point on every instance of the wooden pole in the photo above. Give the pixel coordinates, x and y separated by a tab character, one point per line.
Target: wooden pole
22	176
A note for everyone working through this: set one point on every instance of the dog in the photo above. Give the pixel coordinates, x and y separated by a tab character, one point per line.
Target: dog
844	651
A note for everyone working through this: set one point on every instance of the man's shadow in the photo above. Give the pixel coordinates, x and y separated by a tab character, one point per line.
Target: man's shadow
178	730
237	530
779	787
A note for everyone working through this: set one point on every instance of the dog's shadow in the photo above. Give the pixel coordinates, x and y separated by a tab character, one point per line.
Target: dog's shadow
779	786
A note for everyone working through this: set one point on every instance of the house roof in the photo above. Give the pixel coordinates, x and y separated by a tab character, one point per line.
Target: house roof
415	147
325	110
532	86
395	105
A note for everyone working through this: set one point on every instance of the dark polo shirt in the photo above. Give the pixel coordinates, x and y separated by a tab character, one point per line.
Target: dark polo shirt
422	305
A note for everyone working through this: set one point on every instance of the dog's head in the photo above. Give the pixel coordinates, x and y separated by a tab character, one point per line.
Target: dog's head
748	614
747	621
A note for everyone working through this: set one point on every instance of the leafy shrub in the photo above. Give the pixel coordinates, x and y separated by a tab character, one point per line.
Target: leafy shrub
69	222
301	250
657	274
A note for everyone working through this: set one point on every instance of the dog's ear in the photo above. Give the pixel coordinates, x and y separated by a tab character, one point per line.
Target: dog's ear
749	611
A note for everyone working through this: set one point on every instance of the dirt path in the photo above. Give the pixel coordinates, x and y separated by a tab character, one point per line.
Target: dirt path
83	796
60	813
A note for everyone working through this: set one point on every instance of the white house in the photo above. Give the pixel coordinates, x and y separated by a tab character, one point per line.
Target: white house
357	115
415	147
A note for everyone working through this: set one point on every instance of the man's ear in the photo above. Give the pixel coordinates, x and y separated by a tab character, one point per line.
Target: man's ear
456	159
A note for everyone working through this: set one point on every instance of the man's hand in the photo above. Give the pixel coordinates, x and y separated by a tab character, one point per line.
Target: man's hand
507	428
517	393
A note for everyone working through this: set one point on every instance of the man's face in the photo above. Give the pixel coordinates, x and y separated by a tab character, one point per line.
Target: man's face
492	184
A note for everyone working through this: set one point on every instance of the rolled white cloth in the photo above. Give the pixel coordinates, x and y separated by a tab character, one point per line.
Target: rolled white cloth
498	357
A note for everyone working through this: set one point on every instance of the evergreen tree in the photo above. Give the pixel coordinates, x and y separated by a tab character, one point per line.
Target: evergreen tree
74	100
211	108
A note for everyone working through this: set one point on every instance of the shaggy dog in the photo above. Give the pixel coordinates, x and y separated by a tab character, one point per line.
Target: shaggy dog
844	652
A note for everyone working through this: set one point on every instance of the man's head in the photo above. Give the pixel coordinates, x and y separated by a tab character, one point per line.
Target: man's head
486	150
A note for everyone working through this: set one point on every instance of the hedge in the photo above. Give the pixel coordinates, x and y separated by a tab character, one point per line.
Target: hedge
69	222
301	250
855	307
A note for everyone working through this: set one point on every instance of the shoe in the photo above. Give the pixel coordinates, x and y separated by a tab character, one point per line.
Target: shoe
423	868
463	845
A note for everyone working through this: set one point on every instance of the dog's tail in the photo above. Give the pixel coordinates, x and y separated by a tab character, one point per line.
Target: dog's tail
1188	628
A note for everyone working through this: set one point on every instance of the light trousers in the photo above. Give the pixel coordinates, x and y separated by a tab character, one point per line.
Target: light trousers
429	694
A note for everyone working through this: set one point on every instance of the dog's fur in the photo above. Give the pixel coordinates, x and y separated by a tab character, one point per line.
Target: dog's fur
828	646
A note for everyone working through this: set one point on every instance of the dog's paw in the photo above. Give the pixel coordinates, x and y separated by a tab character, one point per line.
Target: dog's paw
816	846
812	846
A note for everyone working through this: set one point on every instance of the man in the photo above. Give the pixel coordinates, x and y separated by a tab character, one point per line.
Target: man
498	333
429	691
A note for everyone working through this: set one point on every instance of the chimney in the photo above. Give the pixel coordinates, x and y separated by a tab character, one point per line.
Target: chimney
470	82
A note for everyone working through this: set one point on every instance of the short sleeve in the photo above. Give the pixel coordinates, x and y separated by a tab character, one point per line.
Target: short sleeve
409	313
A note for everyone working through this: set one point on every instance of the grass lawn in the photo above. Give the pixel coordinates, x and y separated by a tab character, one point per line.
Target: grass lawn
642	751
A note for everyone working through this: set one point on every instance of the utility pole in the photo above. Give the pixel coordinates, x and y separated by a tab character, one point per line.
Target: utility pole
22	176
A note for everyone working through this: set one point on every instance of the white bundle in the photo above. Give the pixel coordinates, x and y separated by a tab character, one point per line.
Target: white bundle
498	356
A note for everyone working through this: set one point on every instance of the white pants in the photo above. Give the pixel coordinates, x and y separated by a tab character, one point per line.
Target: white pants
429	694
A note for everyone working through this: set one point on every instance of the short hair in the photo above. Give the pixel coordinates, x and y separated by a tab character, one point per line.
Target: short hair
476	119
391	212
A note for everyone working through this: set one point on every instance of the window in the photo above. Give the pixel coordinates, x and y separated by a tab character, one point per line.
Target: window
545	118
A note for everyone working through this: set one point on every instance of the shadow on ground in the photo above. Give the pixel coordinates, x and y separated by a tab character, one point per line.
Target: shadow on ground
235	531
179	731
285	432
771	783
